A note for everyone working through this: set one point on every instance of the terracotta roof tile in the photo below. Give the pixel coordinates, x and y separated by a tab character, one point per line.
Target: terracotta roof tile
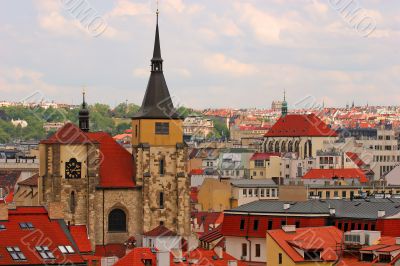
79	233
296	125
345	173
31	181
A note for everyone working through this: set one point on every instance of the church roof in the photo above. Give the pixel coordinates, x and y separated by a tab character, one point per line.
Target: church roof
116	163
157	102
297	125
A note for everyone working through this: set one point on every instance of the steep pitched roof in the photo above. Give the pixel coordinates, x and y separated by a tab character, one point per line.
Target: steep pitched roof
296	125
157	102
304	239
79	233
342	173
160	230
55	233
30	181
356	159
116	163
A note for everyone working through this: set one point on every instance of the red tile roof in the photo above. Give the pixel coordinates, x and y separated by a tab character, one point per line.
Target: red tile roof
9	198
356	159
79	233
110	250
308	238
208	219
30	182
46	232
263	155
137	256
342	173
116	163
213	235
295	125
160	230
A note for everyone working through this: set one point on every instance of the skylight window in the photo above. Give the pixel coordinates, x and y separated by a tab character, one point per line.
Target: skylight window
66	249
44	252
26	225
2	227
16	253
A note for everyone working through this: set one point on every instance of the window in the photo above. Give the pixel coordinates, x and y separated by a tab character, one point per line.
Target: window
297	224
245	192
339	226
2	227
346	227
117	221
259	163
344	194
16	253
161	167
327	194
256	192
250	193
242	222
136	131
359	227
280	258
373	227
26	225
44	252
244	250
258	250
336	194
66	249
283	222
162	128
262	193
255	225
72	202
365	226
270	225
273	192
161	200
353	226
313	255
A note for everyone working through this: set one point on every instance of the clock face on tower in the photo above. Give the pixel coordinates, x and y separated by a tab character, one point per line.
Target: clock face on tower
73	169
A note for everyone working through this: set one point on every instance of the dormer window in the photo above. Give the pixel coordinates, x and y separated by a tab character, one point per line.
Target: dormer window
44	252
2	227
26	225
16	253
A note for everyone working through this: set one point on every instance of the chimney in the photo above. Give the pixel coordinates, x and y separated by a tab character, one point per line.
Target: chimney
163	258
56	210
286	206
220	253
232	263
3	212
289	228
381	213
332	211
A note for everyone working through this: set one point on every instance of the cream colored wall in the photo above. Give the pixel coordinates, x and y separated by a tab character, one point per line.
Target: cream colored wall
273	250
146	132
272	168
214	195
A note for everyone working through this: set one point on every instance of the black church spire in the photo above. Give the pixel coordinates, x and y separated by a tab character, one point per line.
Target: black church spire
157	102
84	115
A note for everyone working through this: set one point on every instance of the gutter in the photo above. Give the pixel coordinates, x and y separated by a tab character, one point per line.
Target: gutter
247	235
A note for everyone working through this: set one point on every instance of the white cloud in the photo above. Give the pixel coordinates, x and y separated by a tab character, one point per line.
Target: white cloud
141	72
128	8
221	64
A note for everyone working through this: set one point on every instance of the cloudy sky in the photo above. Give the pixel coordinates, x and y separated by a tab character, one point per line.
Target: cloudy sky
216	53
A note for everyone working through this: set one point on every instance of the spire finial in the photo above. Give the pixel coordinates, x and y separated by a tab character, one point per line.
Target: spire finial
157	12
284	94
83	97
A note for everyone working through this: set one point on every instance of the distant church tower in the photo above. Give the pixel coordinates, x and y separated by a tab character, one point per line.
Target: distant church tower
284	105
84	115
160	154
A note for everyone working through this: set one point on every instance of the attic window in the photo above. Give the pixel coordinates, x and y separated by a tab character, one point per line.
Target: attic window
26	225
66	249
16	253
44	252
2	227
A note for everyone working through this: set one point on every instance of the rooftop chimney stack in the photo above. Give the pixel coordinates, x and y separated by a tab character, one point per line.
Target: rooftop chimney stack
381	213
332	211
286	206
220	253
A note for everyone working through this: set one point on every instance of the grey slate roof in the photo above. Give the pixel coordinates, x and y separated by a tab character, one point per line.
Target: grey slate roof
357	208
253	183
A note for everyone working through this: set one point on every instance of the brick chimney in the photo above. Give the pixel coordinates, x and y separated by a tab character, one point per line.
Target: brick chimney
3	212
56	210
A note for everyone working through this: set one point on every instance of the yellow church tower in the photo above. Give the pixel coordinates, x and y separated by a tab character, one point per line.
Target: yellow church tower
160	154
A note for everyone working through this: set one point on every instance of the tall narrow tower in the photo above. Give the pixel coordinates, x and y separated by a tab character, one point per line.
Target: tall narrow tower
160	154
284	105
84	115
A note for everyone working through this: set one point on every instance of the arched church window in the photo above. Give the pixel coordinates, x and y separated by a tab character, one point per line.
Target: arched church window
117	221
72	202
